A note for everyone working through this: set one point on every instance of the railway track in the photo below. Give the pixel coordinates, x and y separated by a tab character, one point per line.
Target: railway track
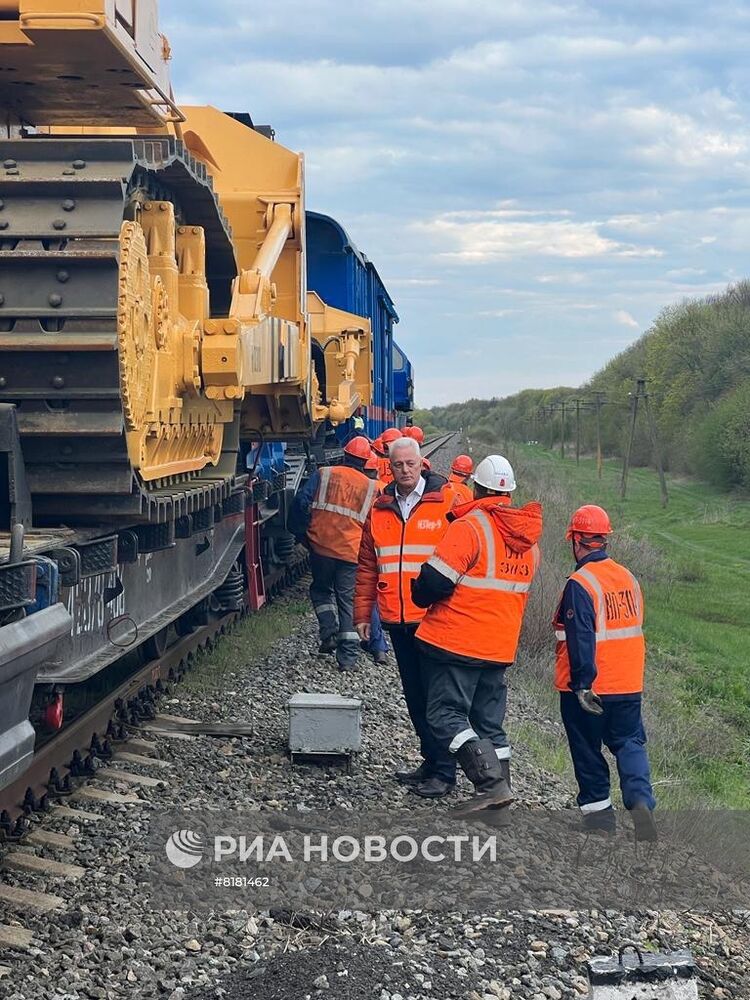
71	775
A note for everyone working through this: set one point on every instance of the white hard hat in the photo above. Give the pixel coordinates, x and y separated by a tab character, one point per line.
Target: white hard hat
495	473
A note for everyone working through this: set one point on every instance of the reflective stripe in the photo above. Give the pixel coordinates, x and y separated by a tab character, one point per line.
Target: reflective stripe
488	583
463	737
560	635
321	502
602	632
503	753
630	632
397	567
321	608
595	807
489	537
348	636
601	612
443	569
408	550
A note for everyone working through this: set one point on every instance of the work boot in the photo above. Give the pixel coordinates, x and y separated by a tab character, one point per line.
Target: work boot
499	816
380	657
349	668
432	788
643	822
415	776
328	645
603	821
487	774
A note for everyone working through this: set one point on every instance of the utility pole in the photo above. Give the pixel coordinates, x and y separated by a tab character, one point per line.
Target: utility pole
563	404
598	404
578	401
641	394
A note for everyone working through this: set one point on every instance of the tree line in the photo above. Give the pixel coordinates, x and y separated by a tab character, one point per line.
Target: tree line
695	359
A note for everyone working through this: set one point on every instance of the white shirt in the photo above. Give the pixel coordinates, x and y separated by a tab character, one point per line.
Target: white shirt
408	503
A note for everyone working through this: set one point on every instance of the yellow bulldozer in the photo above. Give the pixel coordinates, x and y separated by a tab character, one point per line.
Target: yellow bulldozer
153	308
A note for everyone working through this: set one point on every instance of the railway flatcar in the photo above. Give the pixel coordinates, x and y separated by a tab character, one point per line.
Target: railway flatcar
342	275
165	372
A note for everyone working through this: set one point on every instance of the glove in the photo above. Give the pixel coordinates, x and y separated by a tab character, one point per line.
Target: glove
590	702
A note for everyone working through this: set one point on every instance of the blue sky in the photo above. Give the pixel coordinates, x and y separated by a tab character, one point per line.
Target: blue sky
534	180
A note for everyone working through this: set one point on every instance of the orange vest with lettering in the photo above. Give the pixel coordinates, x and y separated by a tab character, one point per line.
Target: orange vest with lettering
339	511
620	656
483	616
401	547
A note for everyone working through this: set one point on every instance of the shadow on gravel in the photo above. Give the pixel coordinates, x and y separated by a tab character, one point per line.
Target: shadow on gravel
342	971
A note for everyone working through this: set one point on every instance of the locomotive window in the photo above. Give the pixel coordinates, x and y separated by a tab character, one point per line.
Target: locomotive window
398	360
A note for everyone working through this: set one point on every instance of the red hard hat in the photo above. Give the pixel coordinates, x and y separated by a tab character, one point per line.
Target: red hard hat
463	465
359	447
372	462
378	446
392	434
415	432
589	520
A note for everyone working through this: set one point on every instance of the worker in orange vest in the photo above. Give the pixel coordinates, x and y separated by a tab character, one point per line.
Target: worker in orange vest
388	436
476	586
330	512
461	470
404	526
600	664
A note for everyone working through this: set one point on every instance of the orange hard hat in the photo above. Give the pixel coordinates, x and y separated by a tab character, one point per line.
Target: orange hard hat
392	434
372	462
589	520
462	465
358	447
378	446
414	432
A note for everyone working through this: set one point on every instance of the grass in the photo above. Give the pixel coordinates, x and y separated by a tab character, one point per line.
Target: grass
253	638
693	558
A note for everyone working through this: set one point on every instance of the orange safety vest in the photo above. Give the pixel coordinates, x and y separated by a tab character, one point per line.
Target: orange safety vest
620	656
339	510
462	492
400	548
492	566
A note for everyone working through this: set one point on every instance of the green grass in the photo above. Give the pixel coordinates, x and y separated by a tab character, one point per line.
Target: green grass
697	620
253	638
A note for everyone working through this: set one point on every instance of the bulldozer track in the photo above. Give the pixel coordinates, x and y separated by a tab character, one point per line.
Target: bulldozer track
62	204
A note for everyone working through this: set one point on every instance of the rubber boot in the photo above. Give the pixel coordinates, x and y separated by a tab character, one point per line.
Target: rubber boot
643	822
603	821
499	817
478	759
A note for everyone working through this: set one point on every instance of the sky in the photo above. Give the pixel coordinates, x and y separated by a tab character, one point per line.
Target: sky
534	180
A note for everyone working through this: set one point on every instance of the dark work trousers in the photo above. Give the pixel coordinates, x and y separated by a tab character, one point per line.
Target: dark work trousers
621	730
332	596
466	702
414	682
378	642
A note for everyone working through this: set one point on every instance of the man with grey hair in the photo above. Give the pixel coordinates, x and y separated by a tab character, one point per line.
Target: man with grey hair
403	528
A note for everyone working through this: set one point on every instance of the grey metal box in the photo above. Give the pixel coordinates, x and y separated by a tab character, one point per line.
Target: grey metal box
324	723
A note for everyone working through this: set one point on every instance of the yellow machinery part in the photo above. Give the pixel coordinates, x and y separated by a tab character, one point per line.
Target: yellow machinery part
346	340
84	62
171	427
267	339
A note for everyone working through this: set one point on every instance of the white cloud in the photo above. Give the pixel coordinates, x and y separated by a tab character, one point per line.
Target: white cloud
478	237
623	317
